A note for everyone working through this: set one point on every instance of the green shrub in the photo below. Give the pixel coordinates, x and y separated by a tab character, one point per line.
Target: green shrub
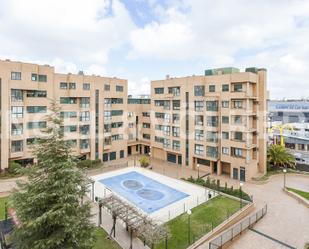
87	164
144	161
14	168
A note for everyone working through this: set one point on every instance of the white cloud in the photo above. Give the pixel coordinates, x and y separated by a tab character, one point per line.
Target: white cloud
139	87
271	34
79	31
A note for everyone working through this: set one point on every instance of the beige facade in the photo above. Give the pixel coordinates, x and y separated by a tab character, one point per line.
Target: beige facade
216	122
93	107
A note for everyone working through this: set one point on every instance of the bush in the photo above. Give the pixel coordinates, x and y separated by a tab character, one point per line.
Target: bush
213	184
87	164
144	161
14	168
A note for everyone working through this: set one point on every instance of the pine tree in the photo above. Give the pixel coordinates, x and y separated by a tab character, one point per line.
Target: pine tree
49	205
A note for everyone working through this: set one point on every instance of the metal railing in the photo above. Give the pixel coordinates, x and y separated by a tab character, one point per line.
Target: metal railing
237	229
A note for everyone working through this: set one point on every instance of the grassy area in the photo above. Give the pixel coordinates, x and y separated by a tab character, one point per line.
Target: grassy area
203	217
103	242
2	212
300	192
276	172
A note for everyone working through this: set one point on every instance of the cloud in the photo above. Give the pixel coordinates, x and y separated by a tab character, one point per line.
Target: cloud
139	87
80	32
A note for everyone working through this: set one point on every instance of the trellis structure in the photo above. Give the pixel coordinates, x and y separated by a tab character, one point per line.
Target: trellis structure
137	223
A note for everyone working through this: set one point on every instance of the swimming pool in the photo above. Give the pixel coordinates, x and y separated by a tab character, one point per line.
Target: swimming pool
144	192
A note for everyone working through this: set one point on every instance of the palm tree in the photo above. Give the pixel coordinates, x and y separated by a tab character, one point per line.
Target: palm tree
277	155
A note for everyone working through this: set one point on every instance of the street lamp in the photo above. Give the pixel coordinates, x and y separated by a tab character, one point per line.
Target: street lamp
240	185
198	171
189	212
284	180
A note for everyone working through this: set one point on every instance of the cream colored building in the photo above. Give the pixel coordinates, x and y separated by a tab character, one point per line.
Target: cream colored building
216	122
94	110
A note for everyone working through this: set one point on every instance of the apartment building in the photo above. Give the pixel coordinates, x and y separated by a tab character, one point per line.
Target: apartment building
216	122
93	108
139	125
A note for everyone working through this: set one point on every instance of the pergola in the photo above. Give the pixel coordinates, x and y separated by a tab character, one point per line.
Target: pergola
137	223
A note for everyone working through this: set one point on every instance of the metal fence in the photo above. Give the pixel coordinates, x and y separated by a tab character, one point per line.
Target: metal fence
237	229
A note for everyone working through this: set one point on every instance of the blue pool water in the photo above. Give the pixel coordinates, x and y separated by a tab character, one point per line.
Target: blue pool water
144	192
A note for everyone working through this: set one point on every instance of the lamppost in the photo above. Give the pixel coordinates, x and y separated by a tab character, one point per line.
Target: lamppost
284	180
189	212
198	171
150	160
240	185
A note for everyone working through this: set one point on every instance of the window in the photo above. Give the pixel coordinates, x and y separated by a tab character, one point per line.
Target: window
107	128
167	118
237	119
84	143
225	104
146	136
176	145
107	102
199	90
166	143
84	116
199	135
117	125
34	77
86	86
159	90
212	106
121	154
146	114
68	114
131	137
107	140
159	115
176	104
117	112
166	130
117	137
225	119
159	139
107	87
238	136
107	115
225	88
176	131
212	151
176	118
36	94
198	106
72	85
69	128
30	141
174	90
212	88
119	88
112	156
131	125
105	157
238	104
167	104
225	151
84	102
17	112
159	102
17	146
84	129
212	136
42	78
237	152
15	75
68	100
146	125
171	158
16	95
199	120
36	125
63	85
238	87
199	149
36	109
72	143
225	135
116	101
159	127
17	129
212	121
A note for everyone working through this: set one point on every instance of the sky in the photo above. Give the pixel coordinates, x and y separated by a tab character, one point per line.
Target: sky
144	40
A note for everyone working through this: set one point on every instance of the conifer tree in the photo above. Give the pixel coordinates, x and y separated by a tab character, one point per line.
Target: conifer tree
49	205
